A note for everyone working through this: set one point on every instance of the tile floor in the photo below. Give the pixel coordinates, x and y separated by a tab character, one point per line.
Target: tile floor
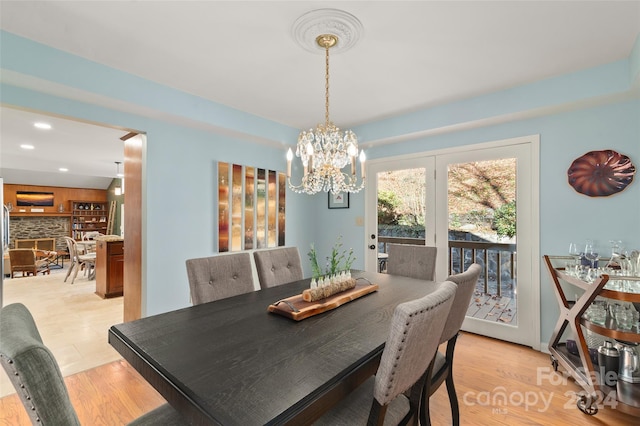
73	321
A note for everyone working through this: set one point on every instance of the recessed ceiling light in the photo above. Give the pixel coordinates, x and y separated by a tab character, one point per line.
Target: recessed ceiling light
27	146
63	169
40	125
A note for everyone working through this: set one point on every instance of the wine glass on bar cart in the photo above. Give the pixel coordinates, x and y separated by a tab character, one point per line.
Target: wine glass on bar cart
575	253
591	254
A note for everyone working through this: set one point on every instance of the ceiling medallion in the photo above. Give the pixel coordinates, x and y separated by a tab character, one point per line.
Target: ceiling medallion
346	27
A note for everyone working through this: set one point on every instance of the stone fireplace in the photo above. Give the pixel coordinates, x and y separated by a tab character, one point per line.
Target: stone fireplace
21	227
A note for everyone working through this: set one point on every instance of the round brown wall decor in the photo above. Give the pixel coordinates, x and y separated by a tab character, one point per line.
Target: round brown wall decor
601	173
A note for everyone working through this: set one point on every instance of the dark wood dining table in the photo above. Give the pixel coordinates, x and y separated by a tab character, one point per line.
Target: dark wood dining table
231	362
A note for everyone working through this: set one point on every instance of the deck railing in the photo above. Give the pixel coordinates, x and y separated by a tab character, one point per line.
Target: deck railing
492	256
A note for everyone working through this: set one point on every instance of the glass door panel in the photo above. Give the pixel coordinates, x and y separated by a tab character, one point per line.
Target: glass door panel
481	205
399	194
482	223
487	214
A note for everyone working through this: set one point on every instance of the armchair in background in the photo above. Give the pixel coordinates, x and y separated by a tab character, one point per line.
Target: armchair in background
24	260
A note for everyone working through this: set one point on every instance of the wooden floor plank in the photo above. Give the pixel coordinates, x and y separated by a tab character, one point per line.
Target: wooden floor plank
112	394
72	320
497	383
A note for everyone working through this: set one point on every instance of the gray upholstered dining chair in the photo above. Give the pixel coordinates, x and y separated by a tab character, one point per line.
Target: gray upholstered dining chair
416	327
278	266
443	364
36	376
218	277
412	261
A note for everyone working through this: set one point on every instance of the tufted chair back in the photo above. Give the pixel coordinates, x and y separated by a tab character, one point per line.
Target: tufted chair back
412	261
466	282
416	327
218	277
443	363
415	333
278	266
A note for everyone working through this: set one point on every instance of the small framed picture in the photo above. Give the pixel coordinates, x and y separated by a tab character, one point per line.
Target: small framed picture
339	200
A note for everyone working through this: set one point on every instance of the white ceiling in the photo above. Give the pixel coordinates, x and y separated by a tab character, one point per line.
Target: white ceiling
412	55
89	152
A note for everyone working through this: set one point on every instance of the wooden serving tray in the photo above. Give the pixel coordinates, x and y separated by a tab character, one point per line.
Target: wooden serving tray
297	309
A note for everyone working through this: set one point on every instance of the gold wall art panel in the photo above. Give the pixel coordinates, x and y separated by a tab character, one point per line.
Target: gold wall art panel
261	209
251	208
272	200
223	207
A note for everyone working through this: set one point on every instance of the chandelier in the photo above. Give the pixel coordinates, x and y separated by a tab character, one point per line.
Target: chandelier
325	151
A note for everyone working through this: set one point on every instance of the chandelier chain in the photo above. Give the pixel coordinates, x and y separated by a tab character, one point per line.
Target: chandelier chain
326	86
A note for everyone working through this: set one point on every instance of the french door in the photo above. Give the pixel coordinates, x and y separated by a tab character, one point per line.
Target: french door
456	181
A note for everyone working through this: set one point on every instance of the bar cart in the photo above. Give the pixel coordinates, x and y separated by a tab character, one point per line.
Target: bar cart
624	395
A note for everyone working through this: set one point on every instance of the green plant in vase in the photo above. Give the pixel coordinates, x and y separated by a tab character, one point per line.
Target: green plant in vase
350	258
337	270
315	268
333	262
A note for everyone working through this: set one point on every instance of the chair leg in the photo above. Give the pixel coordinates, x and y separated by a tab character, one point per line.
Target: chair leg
73	263
75	273
418	402
423	408
376	414
453	400
425	417
451	389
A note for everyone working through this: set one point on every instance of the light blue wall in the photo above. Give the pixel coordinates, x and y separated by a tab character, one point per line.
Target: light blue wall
81	77
565	215
178	175
179	205
593	109
179	161
586	85
634	64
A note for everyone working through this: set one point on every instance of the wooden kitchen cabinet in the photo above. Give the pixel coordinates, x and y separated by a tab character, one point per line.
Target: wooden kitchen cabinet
109	267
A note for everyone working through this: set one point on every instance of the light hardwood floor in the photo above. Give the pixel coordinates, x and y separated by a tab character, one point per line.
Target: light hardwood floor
498	383
73	321
484	370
